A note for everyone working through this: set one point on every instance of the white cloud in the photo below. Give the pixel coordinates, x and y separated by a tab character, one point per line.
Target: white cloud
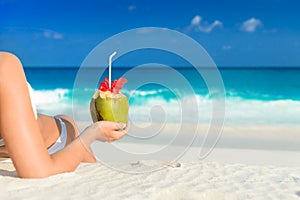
36	32
197	25
52	34
226	47
210	27
196	20
58	35
131	7
251	25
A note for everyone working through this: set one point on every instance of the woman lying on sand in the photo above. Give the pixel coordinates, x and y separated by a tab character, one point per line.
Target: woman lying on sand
41	145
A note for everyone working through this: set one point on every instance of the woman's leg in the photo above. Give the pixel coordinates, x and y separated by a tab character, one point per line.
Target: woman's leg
21	133
50	128
20	130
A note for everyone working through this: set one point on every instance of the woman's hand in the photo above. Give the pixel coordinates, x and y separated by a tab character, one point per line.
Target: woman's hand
109	131
104	131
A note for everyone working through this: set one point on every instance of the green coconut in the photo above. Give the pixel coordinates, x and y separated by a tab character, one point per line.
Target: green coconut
109	107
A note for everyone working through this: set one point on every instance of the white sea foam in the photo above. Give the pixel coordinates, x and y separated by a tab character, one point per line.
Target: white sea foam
148	106
53	102
237	110
41	97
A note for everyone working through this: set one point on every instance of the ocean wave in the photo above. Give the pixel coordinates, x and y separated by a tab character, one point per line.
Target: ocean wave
237	110
53	101
59	95
163	106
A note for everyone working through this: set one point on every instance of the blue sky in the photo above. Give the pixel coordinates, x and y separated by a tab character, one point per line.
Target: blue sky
234	33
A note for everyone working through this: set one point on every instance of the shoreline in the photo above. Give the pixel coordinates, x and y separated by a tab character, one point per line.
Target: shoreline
261	137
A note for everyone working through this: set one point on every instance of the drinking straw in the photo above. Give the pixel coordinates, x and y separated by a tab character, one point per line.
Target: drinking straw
109	68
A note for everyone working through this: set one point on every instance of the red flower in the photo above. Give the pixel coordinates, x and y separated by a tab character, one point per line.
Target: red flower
116	85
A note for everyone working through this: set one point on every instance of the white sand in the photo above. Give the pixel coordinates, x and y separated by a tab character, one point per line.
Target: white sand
224	174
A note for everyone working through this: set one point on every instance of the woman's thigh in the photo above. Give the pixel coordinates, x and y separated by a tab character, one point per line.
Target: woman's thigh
18	126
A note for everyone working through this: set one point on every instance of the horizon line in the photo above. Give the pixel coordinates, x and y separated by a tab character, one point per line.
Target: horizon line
177	67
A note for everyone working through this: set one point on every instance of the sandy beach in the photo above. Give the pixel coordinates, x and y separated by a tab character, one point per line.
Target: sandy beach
248	162
225	174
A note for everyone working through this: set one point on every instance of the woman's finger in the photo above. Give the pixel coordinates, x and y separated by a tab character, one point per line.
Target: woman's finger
117	126
119	134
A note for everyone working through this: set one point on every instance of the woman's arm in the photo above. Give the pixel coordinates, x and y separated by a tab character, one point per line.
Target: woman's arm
22	135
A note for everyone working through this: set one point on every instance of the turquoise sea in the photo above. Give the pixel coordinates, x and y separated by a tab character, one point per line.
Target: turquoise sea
254	96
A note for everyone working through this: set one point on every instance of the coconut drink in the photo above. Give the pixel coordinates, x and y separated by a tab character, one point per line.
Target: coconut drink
108	103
